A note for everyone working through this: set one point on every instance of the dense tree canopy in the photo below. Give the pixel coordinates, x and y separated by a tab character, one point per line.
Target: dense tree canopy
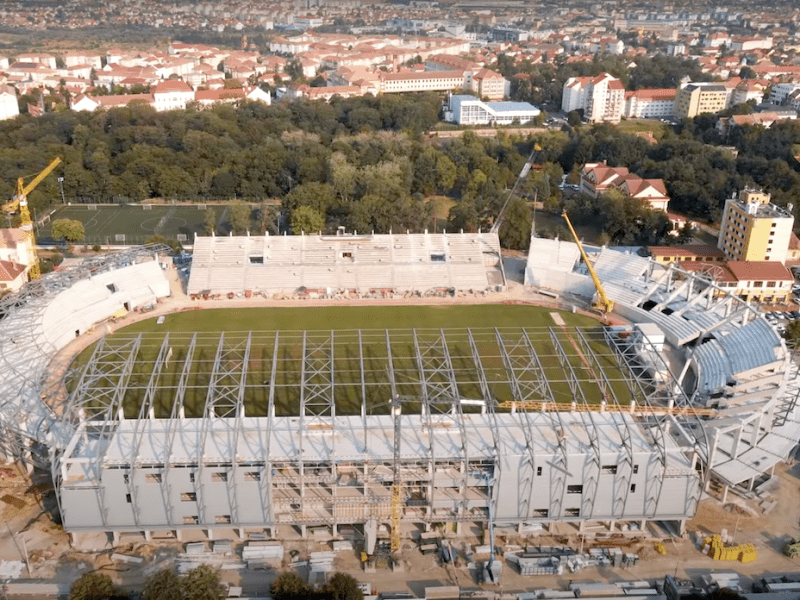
363	164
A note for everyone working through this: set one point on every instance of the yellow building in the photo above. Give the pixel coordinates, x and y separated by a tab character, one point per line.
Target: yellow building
754	229
697	98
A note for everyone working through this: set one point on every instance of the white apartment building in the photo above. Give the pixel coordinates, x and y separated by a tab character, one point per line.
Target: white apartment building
172	94
73	59
602	98
9	108
48	60
650	104
780	92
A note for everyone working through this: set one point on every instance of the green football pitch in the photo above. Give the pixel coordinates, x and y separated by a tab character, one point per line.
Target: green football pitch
128	224
353	343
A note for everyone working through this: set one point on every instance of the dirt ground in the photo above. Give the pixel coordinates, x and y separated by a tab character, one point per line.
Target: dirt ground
27	508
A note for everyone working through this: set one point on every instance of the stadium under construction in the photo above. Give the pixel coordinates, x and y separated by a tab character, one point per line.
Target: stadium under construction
234	433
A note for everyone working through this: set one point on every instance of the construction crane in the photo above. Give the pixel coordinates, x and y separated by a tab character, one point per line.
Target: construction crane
603	303
522	174
397	492
20	202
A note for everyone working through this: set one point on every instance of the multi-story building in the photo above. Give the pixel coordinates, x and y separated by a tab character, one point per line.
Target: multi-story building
693	99
701	253
764	282
490	84
9	108
650	104
426	81
602	98
598	178
172	94
755	229
781	92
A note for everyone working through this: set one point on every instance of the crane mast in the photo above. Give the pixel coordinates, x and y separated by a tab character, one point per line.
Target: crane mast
604	303
20	202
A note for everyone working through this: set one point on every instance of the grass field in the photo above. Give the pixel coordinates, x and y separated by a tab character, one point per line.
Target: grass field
340	351
132	224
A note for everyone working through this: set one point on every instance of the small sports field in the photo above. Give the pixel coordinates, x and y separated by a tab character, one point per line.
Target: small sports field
345	352
127	224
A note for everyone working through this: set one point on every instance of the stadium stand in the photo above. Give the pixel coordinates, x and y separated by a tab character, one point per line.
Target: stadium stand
402	262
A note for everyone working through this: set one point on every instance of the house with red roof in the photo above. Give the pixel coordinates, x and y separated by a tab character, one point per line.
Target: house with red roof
12	276
597	178
172	94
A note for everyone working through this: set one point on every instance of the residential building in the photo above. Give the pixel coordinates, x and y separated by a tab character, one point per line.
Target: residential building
781	92
755	229
651	192
9	107
83	102
490	84
440	81
701	253
694	99
765	282
48	60
650	104
469	110
598	178
601	98
172	94
13	246
12	276
72	59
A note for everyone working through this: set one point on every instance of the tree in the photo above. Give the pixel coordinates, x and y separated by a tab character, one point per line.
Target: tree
92	586
203	583
210	222
342	587
240	217
289	586
515	230
164	585
308	220
68	229
792	334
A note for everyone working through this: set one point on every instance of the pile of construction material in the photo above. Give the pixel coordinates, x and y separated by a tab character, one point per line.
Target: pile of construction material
220	556
262	554
715	547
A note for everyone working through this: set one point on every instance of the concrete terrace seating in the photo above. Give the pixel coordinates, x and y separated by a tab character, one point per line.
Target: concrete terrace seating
396	261
41	325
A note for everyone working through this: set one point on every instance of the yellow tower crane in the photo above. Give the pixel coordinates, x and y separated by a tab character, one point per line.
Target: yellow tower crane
603	303
20	202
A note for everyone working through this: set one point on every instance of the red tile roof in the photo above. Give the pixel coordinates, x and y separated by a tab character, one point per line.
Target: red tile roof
9	270
766	270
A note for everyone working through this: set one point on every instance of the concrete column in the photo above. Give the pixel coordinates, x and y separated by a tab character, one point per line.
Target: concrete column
210	533
737	437
612	526
724	494
240	532
303	531
179	534
712	454
115	538
148	535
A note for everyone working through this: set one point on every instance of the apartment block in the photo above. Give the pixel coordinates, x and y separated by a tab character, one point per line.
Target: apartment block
755	229
693	99
650	104
602	98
